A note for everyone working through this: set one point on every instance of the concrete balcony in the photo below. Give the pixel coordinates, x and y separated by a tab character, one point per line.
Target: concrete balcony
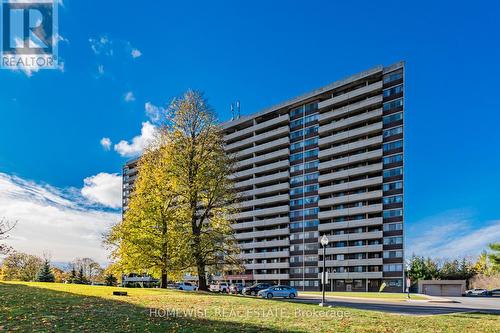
276	133
339	112
257	245
352	249
268	146
354	262
275	155
350	224
263	233
266	190
262	212
353	275
351	185
342	149
269	265
265	168
377	167
351	211
264	277
265	255
365	130
350	198
264	201
352	94
336	163
272	122
337	125
356	236
261	223
283	176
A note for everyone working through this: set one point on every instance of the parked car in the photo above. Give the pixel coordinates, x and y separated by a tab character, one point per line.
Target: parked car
254	289
219	287
236	288
187	286
476	292
278	291
494	292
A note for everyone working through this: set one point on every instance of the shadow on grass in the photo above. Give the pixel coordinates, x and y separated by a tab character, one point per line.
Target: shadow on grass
28	308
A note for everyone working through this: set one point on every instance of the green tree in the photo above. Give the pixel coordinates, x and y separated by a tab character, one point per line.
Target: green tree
72	275
494	256
45	274
201	175
110	280
80	277
418	269
149	238
21	266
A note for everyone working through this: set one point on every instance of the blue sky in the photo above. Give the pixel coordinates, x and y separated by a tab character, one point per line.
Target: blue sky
124	58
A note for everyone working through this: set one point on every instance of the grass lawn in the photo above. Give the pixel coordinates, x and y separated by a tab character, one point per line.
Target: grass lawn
50	307
391	296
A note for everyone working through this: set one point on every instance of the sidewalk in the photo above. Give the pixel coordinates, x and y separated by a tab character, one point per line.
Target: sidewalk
430	299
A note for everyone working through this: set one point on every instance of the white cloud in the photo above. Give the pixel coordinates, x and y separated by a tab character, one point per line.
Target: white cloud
102	45
135	53
153	112
129	97
138	143
103	189
100	70
53	220
106	143
451	234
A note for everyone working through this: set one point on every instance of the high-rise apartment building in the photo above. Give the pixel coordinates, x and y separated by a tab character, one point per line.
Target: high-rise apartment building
329	162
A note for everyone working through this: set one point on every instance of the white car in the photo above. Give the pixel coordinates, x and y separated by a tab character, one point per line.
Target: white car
476	292
187	286
220	287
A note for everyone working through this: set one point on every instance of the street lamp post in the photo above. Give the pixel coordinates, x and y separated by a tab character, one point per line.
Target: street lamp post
324	243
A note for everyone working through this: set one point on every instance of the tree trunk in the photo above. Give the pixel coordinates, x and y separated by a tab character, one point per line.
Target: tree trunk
202	279
163	283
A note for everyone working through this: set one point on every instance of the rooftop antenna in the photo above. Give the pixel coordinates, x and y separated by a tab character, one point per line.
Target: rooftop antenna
232	111
238	108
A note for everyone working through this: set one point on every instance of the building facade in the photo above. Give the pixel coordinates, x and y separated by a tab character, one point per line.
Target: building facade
329	162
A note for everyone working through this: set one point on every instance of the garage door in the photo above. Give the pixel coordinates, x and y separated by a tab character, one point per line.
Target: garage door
432	289
442	289
451	290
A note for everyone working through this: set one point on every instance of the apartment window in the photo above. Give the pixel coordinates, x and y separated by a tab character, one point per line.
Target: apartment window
393	159
311	200
296	134
311	211
311	153
311	270
311	142
393	76
296	168
393	186
393	131
296	247
393	172
393	104
297	122
312	118
297	191
296	213
311	246
394	283
311	223
311	165
296	157
311	176
392	200
297	145
393	145
296	180
393	91
393	240
296	259
296	202
393	226
393	254
311	188
311	258
393	268
311	106
358	269
311	130
393	213
296	271
392	118
296	112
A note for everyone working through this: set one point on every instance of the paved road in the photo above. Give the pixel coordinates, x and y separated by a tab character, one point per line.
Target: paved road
467	304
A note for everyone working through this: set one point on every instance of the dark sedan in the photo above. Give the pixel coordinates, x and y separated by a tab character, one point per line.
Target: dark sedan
253	290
